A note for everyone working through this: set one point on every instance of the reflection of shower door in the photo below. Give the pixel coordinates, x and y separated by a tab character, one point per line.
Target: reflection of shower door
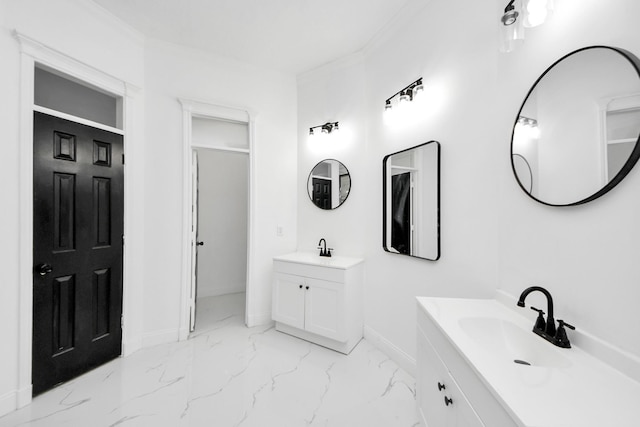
401	213
322	193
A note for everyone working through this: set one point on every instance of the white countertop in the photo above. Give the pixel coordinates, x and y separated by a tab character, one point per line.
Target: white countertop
578	390
312	258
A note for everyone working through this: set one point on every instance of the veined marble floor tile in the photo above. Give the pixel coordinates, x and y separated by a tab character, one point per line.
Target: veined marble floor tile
228	375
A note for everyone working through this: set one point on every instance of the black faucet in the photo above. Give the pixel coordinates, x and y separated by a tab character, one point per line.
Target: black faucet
324	251
547	329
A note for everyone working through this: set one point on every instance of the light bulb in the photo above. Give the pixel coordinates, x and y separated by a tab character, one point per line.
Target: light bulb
537	11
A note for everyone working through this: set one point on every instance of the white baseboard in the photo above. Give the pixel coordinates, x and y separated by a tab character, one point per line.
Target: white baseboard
160	337
8	402
24	396
131	346
204	292
258	319
396	354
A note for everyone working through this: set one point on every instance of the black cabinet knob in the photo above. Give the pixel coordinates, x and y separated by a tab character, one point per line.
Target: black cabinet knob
300	286
448	401
307	288
441	386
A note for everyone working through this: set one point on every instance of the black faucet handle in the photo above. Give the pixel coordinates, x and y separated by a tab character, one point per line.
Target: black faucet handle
541	324
561	339
562	323
329	251
540	312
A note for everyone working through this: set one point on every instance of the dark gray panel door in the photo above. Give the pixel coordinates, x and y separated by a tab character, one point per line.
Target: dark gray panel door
78	184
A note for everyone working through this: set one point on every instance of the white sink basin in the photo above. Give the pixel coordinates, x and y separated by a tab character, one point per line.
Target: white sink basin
313	258
560	388
511	343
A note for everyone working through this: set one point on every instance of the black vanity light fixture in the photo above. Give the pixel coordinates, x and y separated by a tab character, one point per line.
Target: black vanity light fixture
510	14
407	94
326	128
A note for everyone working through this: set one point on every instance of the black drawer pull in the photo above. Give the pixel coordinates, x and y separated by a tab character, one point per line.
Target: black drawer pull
448	401
441	387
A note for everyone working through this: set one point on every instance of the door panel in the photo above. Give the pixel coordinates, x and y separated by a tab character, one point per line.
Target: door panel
322	193
324	306
77	227
288	300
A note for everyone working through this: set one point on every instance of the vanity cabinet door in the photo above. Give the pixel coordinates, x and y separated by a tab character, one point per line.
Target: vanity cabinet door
288	300
325	309
440	401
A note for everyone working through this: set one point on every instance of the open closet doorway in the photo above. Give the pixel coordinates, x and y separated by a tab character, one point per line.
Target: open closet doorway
220	172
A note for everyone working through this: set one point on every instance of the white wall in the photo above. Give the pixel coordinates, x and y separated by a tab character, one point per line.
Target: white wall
333	93
493	235
173	71
223	195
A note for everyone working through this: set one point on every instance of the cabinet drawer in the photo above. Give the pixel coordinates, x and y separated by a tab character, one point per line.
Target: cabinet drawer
441	403
313	271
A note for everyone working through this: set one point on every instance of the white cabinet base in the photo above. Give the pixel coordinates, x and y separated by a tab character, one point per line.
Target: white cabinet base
319	299
342	347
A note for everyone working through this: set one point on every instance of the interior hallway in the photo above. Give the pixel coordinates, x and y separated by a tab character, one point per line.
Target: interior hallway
230	375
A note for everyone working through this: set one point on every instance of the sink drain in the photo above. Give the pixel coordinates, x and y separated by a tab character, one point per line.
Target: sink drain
522	362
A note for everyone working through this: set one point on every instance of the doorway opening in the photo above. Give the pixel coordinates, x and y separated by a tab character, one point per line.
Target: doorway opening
217	215
221	197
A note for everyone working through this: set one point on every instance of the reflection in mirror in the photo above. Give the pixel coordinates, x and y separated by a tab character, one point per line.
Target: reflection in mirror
329	184
523	172
579	126
411	194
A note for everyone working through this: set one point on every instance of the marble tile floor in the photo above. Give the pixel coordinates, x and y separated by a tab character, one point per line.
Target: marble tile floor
227	375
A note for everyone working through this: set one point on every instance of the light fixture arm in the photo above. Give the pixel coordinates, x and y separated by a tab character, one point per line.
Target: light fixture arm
405	90
325	128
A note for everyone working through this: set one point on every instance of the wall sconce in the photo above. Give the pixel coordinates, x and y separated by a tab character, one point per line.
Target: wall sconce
407	94
511	26
520	14
326	128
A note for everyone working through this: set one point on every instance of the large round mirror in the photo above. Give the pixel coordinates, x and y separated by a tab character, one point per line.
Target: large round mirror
329	184
576	134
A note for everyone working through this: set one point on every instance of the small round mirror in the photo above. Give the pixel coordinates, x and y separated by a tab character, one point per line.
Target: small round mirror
329	184
576	134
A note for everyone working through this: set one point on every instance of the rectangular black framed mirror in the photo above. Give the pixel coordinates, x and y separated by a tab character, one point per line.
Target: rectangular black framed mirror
411	201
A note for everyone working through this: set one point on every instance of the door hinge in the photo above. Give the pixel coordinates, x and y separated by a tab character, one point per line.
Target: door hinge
123	159
122	321
123	240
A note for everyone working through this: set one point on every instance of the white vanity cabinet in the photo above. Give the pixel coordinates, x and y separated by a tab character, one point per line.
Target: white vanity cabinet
442	373
441	403
319	300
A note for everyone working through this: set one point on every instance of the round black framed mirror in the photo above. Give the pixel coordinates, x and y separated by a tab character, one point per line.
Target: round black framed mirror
329	184
579	127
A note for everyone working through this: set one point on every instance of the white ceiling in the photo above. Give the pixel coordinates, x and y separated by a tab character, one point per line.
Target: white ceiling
288	35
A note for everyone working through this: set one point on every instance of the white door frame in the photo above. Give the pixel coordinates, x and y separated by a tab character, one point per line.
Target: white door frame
34	52
191	109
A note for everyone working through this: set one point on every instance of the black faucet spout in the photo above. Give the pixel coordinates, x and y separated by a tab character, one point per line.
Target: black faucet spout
322	245
551	324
